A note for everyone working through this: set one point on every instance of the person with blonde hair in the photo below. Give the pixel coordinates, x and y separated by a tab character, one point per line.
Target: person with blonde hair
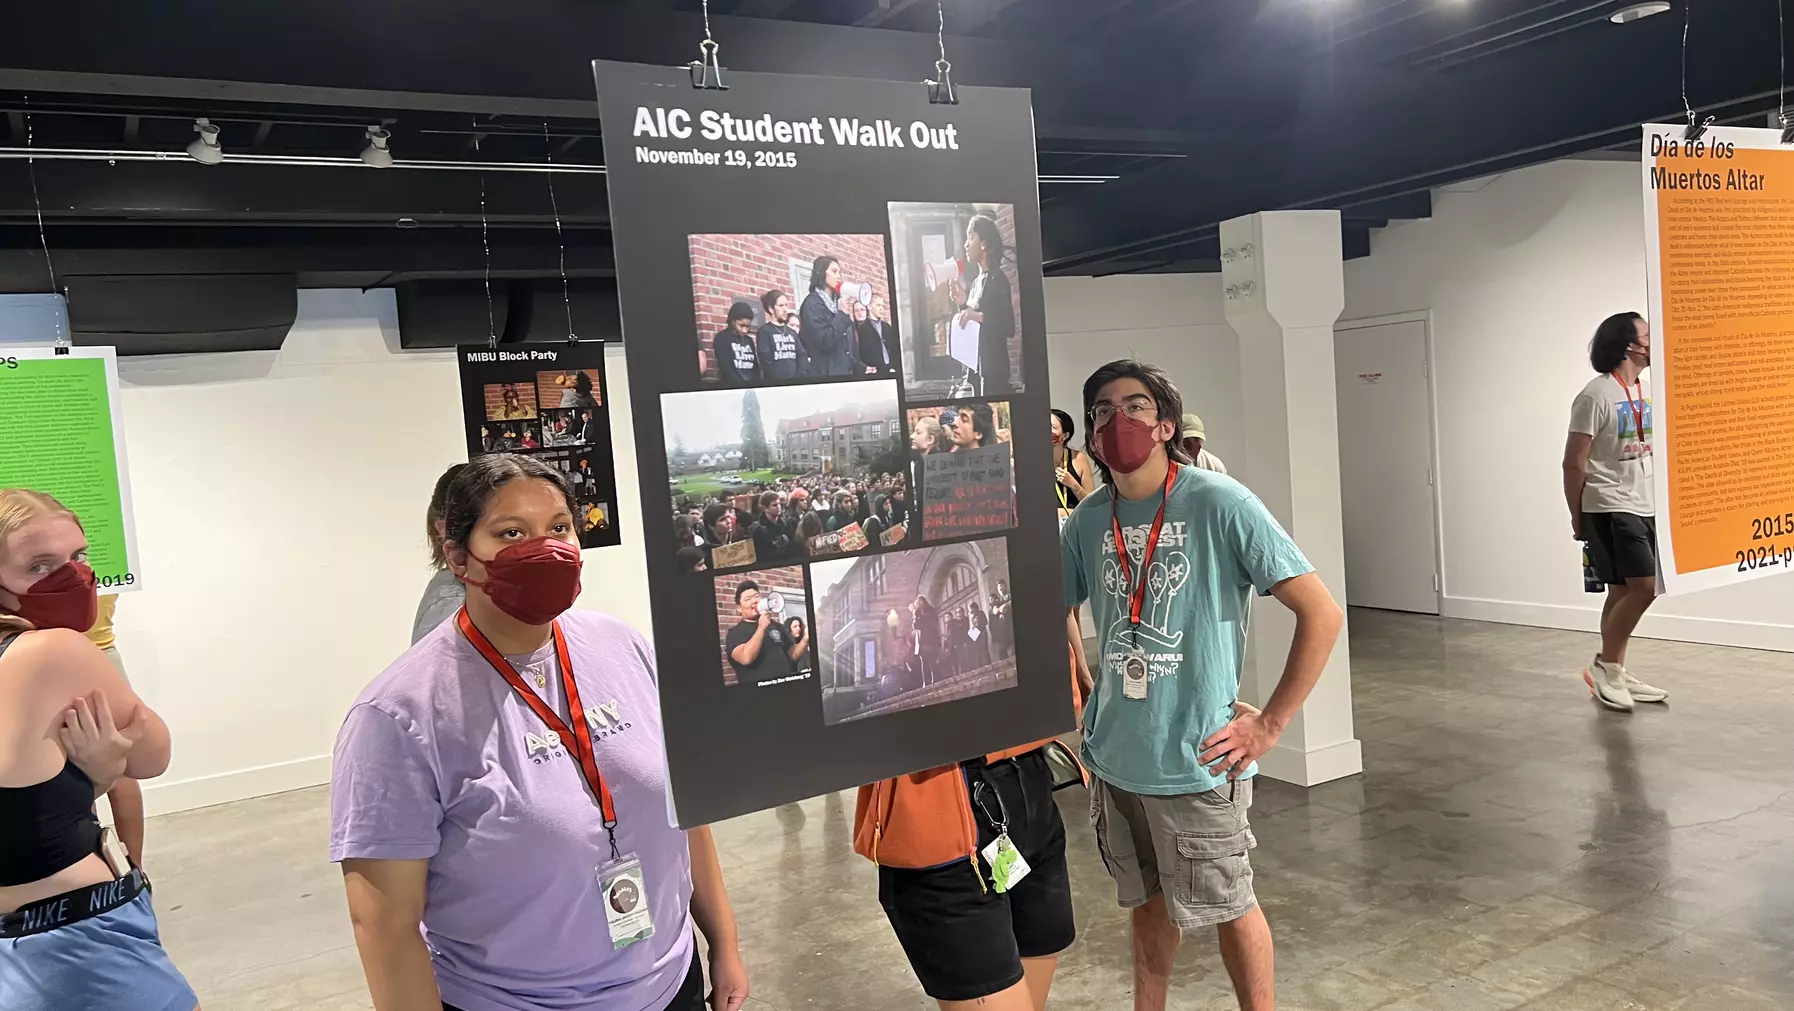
77	929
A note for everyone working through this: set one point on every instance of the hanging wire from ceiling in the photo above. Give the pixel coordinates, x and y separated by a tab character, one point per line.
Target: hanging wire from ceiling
1695	129
43	236
1781	80
486	244
559	236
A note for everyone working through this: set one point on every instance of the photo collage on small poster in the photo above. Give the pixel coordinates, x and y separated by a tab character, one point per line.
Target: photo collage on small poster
547	401
846	449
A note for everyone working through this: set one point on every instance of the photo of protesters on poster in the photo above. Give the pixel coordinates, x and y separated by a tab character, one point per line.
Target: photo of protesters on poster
772	476
763	624
962	467
959	299
791	308
912	628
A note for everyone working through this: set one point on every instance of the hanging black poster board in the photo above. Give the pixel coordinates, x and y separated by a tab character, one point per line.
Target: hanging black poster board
547	400
823	282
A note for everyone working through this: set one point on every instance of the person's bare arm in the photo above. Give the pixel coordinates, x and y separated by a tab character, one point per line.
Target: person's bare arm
748	652
1086	477
1576	450
1253	732
1074	634
126	800
386	904
715	917
67	668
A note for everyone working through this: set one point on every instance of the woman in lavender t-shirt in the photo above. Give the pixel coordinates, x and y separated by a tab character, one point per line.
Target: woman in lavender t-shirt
455	805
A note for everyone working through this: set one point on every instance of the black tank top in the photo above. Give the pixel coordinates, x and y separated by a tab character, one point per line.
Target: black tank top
50	825
1067	497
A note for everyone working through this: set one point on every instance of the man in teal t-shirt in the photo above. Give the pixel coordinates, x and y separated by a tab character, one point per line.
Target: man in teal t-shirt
1171	748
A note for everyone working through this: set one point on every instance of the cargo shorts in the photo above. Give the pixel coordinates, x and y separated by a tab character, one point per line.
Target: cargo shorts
1191	847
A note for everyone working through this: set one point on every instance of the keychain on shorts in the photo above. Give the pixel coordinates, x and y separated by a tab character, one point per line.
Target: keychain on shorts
1007	867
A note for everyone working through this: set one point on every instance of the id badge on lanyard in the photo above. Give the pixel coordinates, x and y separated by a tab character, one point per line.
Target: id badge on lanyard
620	879
1129	664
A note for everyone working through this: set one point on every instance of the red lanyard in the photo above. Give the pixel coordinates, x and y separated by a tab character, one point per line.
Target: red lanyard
1637	407
1137	596
580	734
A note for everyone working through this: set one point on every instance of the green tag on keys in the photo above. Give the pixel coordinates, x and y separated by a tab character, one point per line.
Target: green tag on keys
1006	864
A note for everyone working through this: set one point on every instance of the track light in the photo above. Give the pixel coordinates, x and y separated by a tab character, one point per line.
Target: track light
205	148
1636	12
375	152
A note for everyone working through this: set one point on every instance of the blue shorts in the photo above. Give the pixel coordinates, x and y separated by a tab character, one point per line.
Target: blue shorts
110	962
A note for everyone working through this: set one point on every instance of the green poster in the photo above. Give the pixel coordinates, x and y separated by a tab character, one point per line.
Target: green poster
59	434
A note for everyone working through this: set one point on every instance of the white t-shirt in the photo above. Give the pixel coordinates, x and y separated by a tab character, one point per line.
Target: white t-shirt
1619	461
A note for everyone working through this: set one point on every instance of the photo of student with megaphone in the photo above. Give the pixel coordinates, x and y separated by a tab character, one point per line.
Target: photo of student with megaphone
825	323
957	299
776	309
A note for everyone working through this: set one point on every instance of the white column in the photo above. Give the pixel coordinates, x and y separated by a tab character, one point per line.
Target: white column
1284	286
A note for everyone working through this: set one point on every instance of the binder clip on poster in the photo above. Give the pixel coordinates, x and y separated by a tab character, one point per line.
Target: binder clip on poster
707	70
940	89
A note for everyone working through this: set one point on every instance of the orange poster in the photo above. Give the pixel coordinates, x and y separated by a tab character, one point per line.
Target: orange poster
1719	240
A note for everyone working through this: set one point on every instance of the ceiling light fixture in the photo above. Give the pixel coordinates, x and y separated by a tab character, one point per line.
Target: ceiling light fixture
205	148
1638	12
375	152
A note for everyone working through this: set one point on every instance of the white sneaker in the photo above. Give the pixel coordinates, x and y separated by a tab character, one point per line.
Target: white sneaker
1642	692
1607	683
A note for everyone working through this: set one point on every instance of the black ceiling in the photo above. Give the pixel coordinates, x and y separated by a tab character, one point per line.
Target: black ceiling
1200	109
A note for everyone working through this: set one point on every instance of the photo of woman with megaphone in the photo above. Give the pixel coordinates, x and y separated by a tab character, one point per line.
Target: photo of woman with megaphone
986	302
825	323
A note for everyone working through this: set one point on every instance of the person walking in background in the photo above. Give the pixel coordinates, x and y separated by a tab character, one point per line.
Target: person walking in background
825	325
77	928
126	796
1073	476
444	593
737	356
498	794
988	303
1192	434
1171	749
1607	484
781	357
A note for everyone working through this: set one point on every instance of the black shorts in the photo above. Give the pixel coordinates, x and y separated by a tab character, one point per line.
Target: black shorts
689	998
964	939
1621	546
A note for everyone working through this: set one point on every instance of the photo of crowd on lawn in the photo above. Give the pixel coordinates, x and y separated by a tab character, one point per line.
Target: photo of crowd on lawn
958	299
913	628
777	475
791	308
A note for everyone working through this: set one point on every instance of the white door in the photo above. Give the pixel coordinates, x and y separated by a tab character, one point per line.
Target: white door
1386	466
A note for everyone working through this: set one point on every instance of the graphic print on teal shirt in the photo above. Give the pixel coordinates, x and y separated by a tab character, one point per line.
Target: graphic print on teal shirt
1218	543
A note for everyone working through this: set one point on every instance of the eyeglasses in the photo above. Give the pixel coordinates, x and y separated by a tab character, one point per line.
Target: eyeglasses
1136	407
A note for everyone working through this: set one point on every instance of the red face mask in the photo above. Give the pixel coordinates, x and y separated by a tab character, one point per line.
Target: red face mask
1124	444
63	599
1057	438
534	581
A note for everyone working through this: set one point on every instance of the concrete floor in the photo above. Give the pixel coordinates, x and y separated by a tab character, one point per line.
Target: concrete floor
1508	846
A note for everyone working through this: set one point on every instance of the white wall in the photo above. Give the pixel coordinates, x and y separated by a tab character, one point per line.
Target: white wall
279	501
1517	270
1174	321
